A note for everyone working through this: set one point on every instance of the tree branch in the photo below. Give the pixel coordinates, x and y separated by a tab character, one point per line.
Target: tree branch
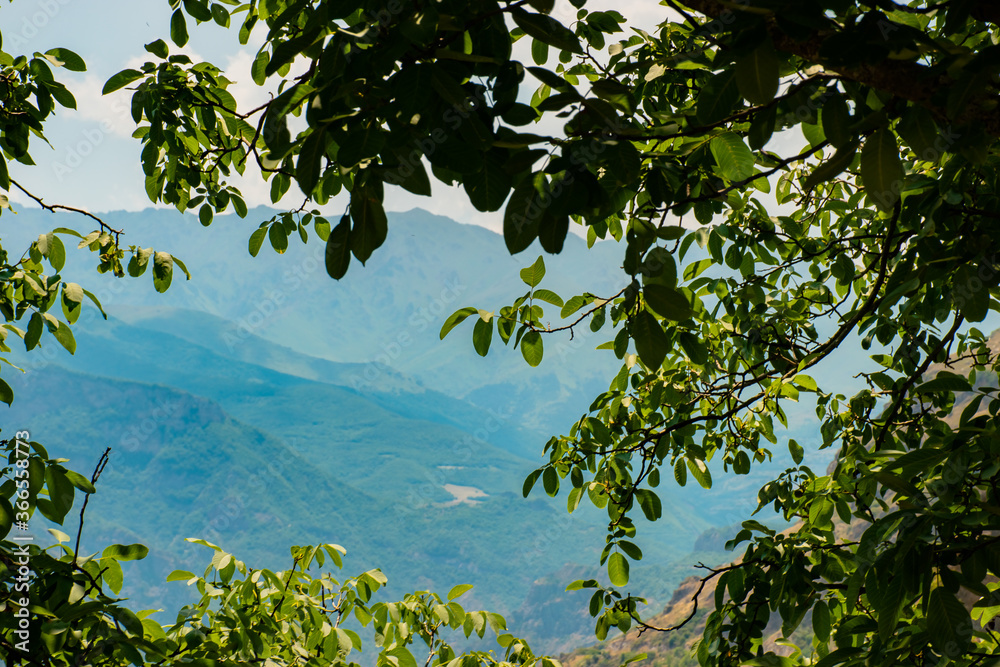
904	79
56	207
101	463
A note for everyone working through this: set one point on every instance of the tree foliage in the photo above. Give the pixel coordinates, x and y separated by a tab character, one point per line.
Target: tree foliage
64	607
784	178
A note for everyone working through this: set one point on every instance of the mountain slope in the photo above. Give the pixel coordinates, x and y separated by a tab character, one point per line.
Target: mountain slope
388	314
439	501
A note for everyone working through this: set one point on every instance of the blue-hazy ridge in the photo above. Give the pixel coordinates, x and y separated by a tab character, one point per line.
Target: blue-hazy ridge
262	404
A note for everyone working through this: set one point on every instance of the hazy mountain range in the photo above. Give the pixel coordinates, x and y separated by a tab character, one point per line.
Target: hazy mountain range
262	405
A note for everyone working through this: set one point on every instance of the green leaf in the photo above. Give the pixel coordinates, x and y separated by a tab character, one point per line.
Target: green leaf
489	187
34	332
257	69
220	15
158	48
322	228
574	304
205	215
61	94
181	575
888	607
412	176
256	241
717	98
61	332
948	622
310	161
833	167
338	249
650	341
551	79
459	591
529	482
361	144
121	79
548	296
278	237
403	657
6	393
72	296
700	472
546	29
532	348
795	449
618	569
821	620
667	302
680	472
140	260
178	28
68	59
920	132
80	482
370	224
944	381
60	490
457	318
972	296
762	127
770	660
112	574
735	160
482	336
539	51
836	119
533	274
919	460
125	552
630	549
573	499
966	86
6	516
650	504
522	216
163	271
96	303
757	74
882	170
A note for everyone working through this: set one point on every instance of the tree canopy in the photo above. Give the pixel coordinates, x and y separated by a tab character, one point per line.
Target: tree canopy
784	178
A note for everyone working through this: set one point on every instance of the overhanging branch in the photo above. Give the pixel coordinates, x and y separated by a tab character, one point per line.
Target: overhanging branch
904	79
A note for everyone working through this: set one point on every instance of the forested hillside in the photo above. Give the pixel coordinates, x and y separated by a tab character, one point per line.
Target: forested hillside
273	446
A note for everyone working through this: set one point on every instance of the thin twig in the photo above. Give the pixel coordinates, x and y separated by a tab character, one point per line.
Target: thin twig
55	207
101	463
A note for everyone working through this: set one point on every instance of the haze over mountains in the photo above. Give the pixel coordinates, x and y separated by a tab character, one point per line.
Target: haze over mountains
262	405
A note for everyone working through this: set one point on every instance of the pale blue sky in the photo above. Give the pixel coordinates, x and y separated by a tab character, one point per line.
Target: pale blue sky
94	162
